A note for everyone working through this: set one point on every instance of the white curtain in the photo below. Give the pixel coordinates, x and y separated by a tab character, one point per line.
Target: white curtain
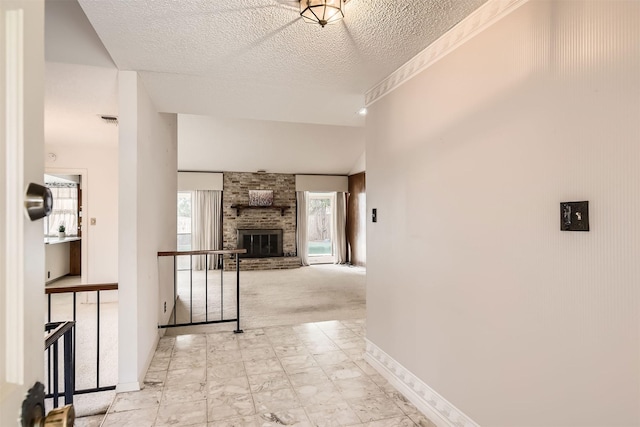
206	230
65	209
339	225
302	240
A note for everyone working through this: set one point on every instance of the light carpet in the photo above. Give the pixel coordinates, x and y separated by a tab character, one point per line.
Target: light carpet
273	297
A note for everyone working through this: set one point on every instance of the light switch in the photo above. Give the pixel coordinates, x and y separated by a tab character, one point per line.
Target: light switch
374	215
574	216
93	221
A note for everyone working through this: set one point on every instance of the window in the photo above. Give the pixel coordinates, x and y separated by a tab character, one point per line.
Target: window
64	212
184	227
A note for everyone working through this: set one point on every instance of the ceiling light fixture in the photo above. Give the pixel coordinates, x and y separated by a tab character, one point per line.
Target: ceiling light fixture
322	12
362	111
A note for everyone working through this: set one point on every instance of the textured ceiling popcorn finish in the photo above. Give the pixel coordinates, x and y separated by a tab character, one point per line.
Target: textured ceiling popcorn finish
244	76
257	59
467	28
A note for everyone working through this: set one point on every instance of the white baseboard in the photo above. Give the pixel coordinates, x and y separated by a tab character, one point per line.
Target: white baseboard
152	353
124	387
428	401
139	385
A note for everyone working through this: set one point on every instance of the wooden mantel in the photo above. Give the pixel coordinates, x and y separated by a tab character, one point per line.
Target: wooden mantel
240	208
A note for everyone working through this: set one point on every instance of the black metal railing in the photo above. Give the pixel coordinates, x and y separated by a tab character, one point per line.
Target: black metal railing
52	353
213	310
55	331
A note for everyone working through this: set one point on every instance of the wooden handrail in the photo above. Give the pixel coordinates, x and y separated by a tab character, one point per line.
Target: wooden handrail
204	252
59	329
80	288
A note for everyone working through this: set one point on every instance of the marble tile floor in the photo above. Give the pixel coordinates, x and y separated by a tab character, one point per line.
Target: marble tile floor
311	374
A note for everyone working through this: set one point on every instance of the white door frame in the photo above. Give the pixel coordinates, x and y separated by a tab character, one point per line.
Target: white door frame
84	245
323	259
21	242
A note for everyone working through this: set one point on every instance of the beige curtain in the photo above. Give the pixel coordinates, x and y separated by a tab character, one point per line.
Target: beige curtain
302	240
206	231
340	227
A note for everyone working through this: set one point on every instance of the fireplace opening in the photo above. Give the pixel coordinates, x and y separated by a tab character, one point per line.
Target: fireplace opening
260	243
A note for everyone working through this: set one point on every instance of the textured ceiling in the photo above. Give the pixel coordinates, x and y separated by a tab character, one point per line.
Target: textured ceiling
243	63
256	59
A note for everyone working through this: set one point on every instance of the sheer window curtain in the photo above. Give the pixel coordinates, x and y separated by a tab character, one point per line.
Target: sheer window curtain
65	209
302	240
206	231
339	227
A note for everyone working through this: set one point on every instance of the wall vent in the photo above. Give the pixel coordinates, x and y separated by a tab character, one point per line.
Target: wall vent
111	120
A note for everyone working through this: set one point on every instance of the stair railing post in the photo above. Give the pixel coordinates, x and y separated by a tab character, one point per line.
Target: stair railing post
238	330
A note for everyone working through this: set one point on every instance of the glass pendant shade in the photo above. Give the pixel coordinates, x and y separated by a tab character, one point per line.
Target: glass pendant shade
322	12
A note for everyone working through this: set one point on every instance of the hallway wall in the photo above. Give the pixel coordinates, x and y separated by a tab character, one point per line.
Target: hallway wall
471	285
148	171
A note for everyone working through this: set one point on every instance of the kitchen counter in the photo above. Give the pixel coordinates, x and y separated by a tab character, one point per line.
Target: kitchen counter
62	257
56	240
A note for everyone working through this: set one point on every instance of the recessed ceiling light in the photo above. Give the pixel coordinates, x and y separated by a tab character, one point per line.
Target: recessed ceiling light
363	111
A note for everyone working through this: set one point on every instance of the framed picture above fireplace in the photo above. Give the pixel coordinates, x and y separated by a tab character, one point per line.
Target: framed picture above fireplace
260	197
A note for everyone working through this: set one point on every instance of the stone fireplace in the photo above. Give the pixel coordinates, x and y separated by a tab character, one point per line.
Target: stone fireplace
267	232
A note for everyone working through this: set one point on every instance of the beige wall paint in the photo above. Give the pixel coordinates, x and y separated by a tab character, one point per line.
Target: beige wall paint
470	283
321	183
147	213
192	181
244	145
359	166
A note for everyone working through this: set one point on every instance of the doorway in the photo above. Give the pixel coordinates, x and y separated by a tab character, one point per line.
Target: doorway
63	229
69	188
320	228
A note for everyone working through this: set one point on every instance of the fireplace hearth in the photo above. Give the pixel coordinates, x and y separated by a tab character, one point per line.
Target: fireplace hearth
260	243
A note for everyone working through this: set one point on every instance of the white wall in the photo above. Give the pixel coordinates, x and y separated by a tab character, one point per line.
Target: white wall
471	285
237	145
71	38
57	260
360	165
99	164
147	211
